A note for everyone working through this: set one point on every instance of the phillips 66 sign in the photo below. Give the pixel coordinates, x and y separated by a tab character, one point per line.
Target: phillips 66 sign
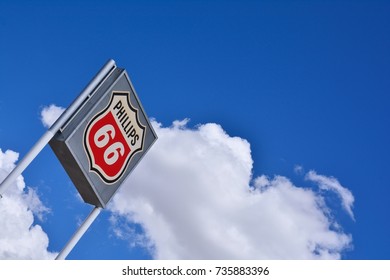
105	139
113	136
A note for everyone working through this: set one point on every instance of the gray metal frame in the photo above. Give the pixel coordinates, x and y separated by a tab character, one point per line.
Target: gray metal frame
41	143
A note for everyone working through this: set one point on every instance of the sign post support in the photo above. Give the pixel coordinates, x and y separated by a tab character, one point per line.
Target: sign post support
37	148
79	233
99	140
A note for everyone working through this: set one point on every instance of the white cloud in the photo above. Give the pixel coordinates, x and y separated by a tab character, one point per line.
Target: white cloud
298	169
332	184
194	196
50	114
20	238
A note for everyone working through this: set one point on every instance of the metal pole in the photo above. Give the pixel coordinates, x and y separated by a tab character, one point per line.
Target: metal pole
35	150
78	234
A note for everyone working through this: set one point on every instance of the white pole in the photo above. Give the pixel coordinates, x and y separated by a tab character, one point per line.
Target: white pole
35	150
78	234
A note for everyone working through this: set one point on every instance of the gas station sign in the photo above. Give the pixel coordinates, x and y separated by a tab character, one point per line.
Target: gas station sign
104	139
113	136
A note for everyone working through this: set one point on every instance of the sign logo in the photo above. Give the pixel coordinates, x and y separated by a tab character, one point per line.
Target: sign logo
112	137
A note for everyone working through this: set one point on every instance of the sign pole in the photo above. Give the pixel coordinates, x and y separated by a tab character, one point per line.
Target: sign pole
99	139
37	148
79	233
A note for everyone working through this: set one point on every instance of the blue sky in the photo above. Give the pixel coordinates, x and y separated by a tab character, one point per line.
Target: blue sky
286	88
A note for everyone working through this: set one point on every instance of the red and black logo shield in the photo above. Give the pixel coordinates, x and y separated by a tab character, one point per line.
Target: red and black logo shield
112	137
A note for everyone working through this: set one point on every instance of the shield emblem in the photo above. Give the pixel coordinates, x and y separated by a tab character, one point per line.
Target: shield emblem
112	137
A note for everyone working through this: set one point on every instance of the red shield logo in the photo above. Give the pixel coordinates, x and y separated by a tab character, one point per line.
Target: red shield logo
113	137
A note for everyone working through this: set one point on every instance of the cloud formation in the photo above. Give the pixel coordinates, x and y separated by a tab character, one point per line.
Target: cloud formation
195	198
20	237
50	114
332	184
